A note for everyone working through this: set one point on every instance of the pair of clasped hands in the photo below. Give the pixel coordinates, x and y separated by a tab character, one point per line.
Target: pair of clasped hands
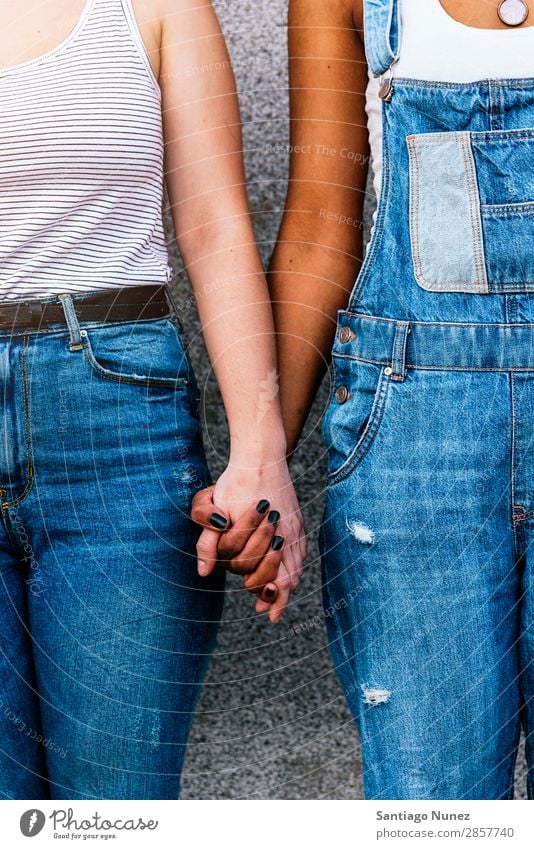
249	546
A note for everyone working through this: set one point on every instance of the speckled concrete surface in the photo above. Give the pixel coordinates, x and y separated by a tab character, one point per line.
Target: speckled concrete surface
272	722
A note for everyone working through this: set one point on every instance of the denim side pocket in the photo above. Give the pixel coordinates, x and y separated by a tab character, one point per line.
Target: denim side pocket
472	210
509	240
353	415
146	353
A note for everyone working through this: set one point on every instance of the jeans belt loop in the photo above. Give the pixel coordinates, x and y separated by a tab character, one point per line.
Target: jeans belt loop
75	341
398	357
173	306
36	313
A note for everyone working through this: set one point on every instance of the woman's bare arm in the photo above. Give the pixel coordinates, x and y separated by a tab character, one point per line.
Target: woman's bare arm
206	186
319	250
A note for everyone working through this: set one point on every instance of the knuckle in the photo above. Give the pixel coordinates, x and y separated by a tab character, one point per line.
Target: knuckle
233	544
197	515
241	566
234	564
224	552
272	572
203	548
228	547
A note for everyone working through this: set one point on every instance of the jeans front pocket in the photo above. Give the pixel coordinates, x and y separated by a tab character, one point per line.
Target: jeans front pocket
353	415
472	210
144	353
509	245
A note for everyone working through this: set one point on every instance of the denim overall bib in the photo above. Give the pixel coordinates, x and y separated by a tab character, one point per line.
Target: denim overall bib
427	578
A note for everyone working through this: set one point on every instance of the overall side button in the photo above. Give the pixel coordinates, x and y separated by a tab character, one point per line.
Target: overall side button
342	394
346	335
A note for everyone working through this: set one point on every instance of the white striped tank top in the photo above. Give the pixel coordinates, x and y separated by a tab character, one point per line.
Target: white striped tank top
81	163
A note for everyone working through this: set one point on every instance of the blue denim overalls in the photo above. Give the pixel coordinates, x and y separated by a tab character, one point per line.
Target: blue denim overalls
426	572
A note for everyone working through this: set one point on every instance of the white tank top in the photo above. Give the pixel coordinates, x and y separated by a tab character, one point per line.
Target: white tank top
81	163
436	47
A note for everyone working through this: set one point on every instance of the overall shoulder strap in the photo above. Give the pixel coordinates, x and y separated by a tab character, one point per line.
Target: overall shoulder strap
382	33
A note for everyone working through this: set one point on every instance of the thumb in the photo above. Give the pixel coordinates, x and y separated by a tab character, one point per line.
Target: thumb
205	513
207	551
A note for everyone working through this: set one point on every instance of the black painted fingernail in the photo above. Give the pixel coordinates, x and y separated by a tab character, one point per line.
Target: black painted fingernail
269	593
262	506
273	517
218	521
277	543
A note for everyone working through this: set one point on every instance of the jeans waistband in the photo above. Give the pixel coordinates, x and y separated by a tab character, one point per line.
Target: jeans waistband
403	345
43	315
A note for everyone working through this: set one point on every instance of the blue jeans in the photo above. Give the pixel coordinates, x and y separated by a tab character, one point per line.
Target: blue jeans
106	627
427	539
426	574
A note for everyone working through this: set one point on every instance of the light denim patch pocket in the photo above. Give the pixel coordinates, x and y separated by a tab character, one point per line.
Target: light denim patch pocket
472	210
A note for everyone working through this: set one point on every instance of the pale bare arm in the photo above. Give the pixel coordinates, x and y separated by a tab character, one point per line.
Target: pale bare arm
206	186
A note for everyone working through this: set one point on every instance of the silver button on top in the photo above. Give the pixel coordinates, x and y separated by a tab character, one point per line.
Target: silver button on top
342	394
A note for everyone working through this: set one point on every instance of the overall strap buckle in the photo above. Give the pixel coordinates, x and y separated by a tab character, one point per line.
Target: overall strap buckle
382	33
385	84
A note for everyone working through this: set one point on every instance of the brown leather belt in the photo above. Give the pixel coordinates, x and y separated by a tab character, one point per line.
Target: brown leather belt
131	303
